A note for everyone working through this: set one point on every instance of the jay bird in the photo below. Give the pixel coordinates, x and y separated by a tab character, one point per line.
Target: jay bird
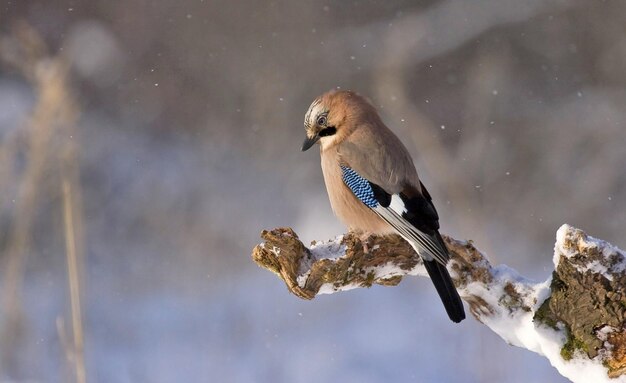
372	183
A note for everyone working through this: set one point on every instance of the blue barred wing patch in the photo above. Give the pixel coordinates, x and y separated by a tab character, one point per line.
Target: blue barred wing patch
360	187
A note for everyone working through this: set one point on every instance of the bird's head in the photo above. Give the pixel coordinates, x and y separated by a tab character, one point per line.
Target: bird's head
333	116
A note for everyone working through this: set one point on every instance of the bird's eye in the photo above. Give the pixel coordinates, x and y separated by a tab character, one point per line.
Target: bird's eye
321	121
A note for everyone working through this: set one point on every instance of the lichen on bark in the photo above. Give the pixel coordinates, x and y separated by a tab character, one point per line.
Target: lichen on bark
588	294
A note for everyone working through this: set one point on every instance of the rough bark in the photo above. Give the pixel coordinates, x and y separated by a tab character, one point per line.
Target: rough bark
583	305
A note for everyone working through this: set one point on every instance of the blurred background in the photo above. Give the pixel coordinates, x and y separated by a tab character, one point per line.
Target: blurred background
145	144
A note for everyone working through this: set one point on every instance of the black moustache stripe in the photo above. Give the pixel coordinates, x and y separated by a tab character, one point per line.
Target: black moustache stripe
328	131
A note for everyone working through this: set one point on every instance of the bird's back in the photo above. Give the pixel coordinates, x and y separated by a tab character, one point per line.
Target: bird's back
376	153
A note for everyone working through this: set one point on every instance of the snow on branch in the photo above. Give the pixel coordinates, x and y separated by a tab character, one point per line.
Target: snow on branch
576	318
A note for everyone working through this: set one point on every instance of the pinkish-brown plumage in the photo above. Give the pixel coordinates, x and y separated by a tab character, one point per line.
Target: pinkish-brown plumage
372	183
366	145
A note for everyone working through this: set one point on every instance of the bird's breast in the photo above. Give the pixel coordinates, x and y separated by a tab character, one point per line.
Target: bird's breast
352	212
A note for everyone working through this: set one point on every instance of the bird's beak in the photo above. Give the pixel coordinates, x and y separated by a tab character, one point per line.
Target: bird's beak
309	141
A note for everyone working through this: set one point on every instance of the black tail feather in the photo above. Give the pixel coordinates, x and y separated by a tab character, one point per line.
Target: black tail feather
447	292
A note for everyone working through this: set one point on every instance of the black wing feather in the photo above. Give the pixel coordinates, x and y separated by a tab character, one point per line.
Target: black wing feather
421	213
381	195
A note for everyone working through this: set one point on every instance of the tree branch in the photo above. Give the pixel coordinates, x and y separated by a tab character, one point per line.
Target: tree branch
575	319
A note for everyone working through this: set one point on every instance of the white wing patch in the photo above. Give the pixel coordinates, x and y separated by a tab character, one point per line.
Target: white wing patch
397	204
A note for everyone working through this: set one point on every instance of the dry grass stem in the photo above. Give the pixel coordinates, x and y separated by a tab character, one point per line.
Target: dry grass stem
73	279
